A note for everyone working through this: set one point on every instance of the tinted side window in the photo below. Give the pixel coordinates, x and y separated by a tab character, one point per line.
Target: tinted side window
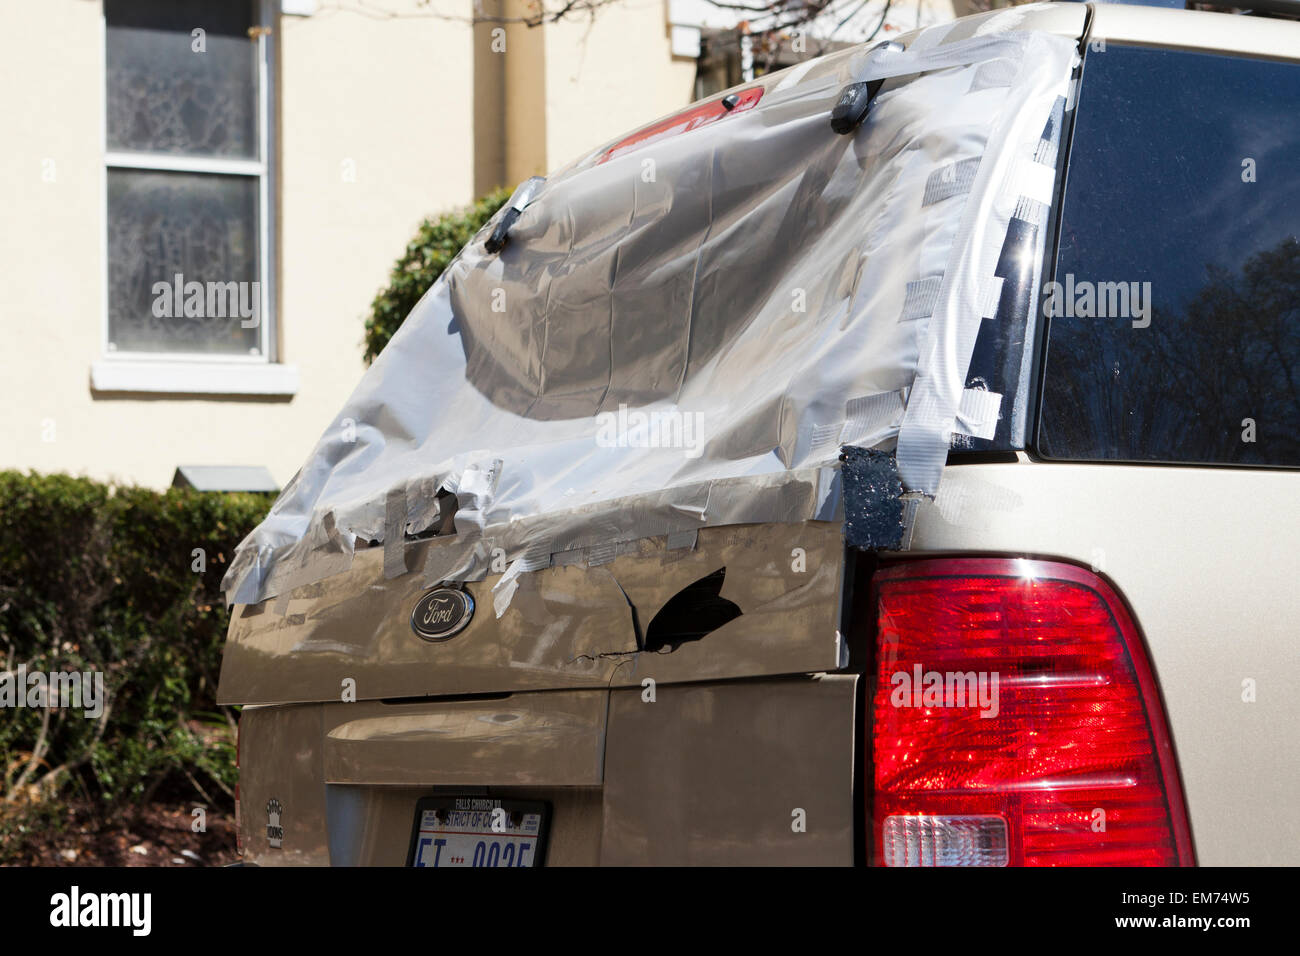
1174	328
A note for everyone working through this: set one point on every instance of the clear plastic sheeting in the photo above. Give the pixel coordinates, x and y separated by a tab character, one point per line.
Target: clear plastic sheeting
683	333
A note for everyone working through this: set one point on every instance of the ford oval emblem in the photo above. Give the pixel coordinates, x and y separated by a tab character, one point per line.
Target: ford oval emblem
442	614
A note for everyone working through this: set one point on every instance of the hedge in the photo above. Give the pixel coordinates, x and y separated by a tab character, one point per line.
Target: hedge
436	243
125	581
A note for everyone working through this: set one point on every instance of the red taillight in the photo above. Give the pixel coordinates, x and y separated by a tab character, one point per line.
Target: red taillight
1016	721
703	115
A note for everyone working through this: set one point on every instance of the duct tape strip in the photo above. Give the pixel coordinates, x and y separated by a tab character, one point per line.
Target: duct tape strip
825	435
682	539
978	414
953	179
921	296
994	74
599	554
870	418
926	55
1031	211
503	592
1006	172
990	298
322	562
1034	180
395	532
534	558
911	505
1049	144
252	586
830	495
565	559
463	558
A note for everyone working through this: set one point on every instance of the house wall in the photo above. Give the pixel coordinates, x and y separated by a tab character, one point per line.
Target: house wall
379	122
375	132
610	75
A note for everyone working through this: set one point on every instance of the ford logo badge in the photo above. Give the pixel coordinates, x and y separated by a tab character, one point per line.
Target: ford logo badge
442	614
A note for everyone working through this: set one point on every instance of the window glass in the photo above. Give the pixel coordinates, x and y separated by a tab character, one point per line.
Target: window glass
185	199
172	90
202	228
1174	328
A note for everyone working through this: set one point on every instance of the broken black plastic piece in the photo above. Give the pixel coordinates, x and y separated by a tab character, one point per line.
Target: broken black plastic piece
691	613
525	193
873	502
853	105
497	241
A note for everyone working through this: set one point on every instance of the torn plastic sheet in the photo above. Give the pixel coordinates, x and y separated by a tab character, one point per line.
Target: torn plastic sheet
685	334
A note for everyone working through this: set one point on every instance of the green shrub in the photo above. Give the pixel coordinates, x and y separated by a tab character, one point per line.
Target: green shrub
435	244
125	581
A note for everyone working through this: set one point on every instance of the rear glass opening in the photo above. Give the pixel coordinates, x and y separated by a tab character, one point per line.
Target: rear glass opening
1174	317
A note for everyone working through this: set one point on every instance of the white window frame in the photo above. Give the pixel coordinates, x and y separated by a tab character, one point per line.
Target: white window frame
203	372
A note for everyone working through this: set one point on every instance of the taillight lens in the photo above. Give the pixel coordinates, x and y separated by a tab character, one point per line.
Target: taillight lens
705	114
1016	721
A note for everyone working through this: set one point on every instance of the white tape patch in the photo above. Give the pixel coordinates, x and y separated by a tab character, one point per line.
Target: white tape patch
978	414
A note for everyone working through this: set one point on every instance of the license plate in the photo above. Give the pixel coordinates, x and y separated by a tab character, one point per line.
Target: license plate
478	831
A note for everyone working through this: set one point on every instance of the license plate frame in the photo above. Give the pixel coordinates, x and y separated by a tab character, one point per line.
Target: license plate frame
482	805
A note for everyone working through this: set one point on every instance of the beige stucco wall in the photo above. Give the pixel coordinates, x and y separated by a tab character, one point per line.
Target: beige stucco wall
394	97
377	128
608	75
568	87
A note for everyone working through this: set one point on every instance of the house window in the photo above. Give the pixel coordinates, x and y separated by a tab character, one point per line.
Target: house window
188	186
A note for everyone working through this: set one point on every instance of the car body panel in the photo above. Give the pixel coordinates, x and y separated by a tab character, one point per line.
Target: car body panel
1207	562
709	761
568	626
1194	30
731	774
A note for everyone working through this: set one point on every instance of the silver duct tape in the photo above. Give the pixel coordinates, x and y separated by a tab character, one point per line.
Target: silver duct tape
870	417
460	558
1033	180
990	297
649	294
978	414
562	559
1031	211
911	505
321	564
1006	173
830	495
993	74
1049	145
823	436
680	540
599	554
597	534
923	57
395	533
953	179
921	296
